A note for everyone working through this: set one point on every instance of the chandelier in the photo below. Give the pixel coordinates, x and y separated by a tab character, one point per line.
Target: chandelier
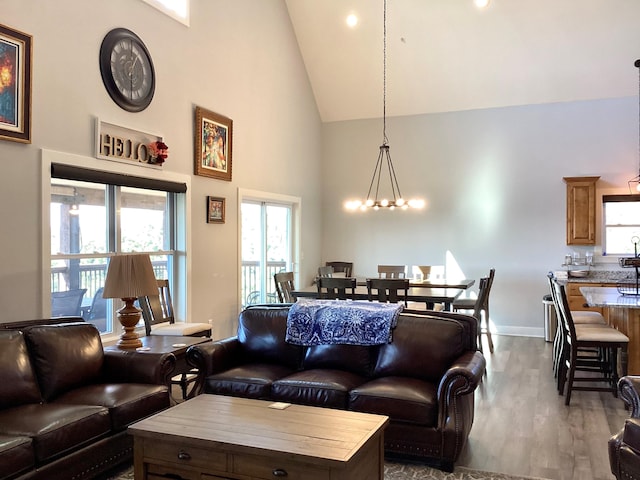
373	199
635	182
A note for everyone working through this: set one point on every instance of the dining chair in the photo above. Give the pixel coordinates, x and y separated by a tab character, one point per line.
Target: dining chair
284	287
336	288
326	271
157	312
388	290
601	367
391	271
341	267
67	303
480	309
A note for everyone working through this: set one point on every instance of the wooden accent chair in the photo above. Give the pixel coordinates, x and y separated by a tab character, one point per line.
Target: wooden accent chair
340	267
336	288
388	290
284	287
391	271
480	309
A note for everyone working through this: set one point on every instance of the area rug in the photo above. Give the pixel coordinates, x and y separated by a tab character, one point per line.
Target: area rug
397	471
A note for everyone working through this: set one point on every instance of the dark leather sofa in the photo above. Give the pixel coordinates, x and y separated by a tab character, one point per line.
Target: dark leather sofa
424	380
65	404
624	446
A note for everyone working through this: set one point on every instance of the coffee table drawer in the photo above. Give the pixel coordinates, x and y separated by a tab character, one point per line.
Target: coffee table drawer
186	455
264	467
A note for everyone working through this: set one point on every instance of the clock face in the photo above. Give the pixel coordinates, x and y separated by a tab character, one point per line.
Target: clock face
127	70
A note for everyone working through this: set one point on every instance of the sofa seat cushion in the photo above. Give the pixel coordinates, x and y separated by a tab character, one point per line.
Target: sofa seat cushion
326	388
250	381
400	398
16	455
127	402
56	429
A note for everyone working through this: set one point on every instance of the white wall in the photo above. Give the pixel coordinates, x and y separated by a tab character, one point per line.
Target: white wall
239	58
493	183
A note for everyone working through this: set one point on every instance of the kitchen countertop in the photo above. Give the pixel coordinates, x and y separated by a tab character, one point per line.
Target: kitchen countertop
603	276
609	297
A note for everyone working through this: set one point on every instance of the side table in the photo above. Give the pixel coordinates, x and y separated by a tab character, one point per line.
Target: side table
155	344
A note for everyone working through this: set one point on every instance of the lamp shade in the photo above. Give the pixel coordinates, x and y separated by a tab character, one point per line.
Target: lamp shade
130	276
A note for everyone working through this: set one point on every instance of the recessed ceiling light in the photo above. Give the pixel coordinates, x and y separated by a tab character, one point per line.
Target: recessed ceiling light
481	3
352	20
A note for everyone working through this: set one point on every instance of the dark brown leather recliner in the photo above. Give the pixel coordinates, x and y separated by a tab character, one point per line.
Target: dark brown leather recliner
624	446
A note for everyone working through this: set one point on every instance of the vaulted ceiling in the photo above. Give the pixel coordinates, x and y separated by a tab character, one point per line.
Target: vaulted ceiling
448	55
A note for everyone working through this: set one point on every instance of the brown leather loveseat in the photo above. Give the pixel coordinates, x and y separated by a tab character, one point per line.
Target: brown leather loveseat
424	379
65	404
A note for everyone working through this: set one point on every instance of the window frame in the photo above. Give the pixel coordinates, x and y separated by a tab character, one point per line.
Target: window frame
182	259
622	198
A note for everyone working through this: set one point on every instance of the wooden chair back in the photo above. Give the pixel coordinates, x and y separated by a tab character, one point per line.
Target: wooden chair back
391	271
340	267
284	287
157	308
388	290
336	288
326	271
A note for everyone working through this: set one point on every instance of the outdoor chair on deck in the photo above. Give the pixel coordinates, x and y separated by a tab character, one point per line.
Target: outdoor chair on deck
68	303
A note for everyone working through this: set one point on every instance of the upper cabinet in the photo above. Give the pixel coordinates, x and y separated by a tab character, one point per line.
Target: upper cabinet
581	210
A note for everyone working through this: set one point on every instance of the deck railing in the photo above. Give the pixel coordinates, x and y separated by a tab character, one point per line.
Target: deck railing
92	278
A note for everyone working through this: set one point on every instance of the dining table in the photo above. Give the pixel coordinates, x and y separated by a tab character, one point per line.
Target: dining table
421	294
621	311
463	283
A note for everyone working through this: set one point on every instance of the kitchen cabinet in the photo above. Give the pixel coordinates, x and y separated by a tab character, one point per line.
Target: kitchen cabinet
581	210
576	300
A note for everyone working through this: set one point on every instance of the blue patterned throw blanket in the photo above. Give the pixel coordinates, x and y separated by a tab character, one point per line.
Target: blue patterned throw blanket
323	322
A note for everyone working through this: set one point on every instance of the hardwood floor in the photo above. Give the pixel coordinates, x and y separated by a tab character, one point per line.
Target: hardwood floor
522	426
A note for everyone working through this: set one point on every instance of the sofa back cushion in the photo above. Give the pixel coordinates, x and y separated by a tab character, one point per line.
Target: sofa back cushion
261	333
352	358
422	347
65	356
18	384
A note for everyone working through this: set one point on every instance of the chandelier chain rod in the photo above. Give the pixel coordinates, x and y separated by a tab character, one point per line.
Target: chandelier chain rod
384	75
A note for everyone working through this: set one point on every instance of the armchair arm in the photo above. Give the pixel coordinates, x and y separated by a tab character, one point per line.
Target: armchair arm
127	366
629	387
462	378
212	357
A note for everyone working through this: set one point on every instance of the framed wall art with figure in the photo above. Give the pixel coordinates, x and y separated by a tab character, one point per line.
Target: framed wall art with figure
215	210
214	134
15	85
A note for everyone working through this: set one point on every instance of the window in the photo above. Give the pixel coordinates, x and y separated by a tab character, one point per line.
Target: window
621	218
268	236
94	215
176	9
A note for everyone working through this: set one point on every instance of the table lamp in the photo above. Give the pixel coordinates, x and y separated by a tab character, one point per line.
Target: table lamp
129	276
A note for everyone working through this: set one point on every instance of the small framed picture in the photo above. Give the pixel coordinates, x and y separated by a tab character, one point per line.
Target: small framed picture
215	210
214	134
15	85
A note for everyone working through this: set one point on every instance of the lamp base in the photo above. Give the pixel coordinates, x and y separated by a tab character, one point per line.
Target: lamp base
129	316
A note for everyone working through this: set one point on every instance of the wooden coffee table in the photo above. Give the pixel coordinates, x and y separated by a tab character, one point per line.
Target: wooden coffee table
217	437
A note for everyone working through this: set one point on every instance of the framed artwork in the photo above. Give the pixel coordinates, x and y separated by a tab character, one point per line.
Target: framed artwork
15	85
213	151
215	210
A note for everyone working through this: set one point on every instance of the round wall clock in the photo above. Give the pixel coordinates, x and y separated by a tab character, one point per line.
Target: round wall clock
127	70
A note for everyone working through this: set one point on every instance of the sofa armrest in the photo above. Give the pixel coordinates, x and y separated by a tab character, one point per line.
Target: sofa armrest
462	378
127	366
629	387
213	357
